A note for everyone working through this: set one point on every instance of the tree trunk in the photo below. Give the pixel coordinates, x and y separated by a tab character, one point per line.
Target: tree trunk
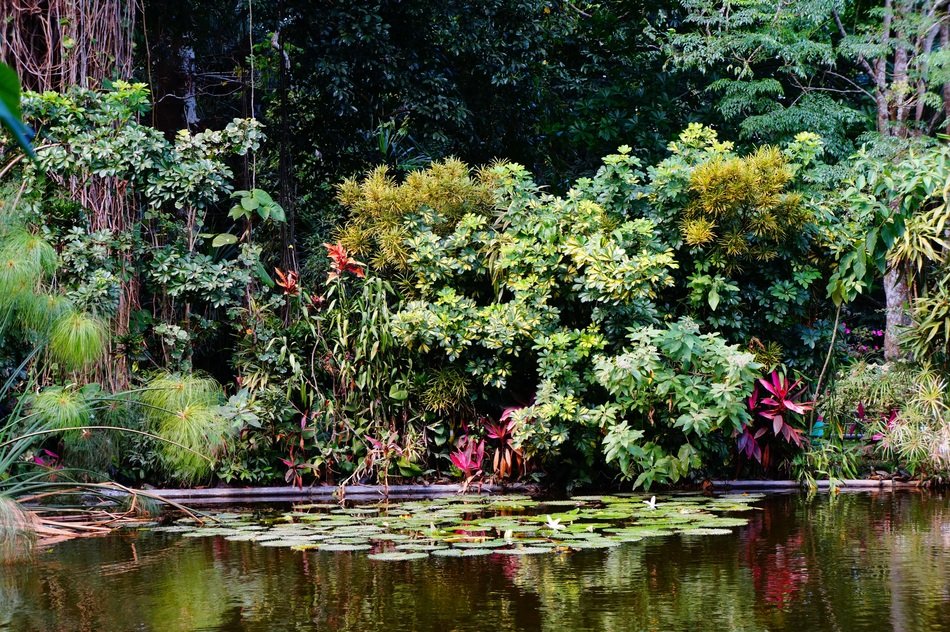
896	296
189	95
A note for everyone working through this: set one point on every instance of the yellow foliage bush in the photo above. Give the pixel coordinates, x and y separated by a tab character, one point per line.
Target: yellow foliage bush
379	207
741	207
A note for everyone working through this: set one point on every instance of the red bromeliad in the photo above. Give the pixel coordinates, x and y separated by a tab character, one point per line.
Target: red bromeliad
341	262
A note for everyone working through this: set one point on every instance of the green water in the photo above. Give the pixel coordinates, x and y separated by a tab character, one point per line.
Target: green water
857	562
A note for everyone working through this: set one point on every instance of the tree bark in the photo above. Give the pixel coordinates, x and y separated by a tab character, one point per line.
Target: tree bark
896	296
189	94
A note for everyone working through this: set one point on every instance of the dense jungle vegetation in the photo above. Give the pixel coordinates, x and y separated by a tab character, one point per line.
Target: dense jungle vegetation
576	243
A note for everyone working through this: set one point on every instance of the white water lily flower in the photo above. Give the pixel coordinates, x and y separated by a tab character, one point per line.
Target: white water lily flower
508	535
650	503
554	525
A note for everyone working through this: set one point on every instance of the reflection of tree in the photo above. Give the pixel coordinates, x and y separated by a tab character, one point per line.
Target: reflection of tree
851	563
10	599
658	584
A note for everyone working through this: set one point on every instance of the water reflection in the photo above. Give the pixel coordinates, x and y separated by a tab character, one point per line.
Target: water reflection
857	562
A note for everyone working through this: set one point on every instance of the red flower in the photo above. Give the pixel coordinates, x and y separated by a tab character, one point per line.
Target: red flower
341	262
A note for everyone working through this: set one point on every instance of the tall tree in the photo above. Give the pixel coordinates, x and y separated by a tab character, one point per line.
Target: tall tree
826	65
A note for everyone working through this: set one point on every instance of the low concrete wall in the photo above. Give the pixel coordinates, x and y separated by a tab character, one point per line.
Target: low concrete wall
822	484
223	495
219	495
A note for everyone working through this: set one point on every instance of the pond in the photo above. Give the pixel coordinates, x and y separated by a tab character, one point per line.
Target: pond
851	562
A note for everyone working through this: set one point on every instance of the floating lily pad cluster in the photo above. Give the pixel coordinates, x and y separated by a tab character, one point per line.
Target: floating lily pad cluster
464	526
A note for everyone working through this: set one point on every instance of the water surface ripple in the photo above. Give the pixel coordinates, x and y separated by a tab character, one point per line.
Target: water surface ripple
856	562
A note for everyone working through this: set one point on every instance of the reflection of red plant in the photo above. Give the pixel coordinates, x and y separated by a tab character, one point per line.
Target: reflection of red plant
779	571
778	576
288	281
341	262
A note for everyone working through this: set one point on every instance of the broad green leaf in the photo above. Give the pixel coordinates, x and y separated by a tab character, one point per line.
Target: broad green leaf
262	275
713	299
224	239
262	197
277	213
237	212
10	116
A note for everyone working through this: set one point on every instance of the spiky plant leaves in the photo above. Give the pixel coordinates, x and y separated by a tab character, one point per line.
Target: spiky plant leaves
17	276
185	410
38	312
78	340
33	249
379	207
61	407
175	391
24	259
744	196
446	389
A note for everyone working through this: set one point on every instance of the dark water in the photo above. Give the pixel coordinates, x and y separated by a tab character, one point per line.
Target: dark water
856	562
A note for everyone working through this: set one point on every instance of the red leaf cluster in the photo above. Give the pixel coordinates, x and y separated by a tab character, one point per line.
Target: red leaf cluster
341	262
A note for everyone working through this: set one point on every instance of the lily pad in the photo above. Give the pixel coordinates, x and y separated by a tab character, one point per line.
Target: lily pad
594	544
343	547
706	531
462	552
397	556
526	550
390	537
420	547
285	543
241	537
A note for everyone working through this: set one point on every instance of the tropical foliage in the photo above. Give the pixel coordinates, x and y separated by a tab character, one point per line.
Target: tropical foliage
752	281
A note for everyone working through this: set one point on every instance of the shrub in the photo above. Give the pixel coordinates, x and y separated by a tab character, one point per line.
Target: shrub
550	303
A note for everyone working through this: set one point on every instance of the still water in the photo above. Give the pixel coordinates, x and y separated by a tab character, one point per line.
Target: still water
854	562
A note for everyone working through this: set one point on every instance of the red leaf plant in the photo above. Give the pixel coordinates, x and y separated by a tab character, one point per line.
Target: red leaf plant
341	262
48	459
780	405
468	457
297	467
289	281
508	458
